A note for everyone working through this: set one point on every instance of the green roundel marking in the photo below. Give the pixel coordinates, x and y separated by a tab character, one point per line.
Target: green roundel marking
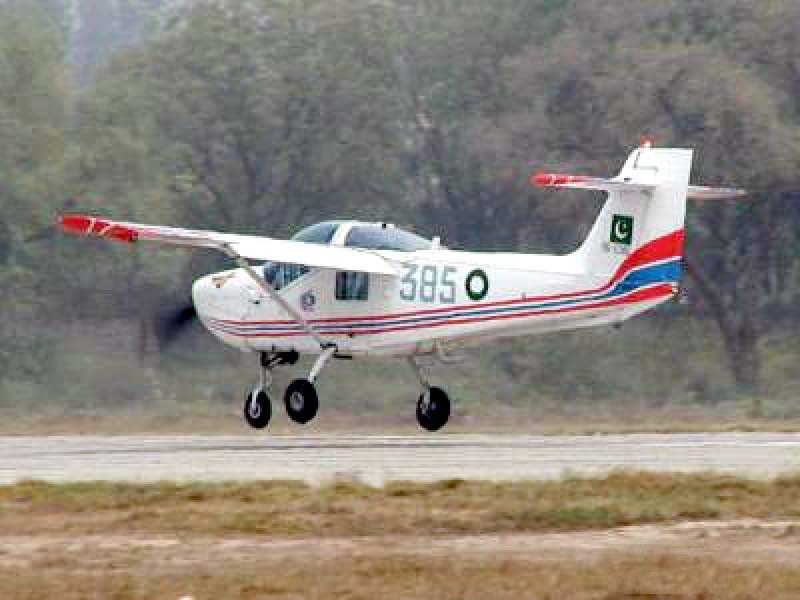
477	285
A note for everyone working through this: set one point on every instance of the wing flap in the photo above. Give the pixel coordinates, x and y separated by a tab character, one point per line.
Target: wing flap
247	246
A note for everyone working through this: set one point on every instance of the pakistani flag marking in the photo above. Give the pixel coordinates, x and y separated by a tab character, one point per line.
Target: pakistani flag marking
622	230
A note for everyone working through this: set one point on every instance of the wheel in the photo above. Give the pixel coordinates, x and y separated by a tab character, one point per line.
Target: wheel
257	408
301	401
433	409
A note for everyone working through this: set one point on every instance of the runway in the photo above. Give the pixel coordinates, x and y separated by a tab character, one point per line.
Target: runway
376	459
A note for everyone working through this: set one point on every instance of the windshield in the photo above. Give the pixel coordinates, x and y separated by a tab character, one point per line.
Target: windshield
321	233
377	237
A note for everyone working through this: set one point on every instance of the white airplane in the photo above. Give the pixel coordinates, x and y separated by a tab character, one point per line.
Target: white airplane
345	289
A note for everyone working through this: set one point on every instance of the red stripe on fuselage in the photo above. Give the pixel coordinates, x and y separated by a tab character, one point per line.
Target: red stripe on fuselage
668	246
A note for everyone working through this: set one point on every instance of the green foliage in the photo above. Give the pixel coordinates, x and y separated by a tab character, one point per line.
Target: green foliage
262	116
33	121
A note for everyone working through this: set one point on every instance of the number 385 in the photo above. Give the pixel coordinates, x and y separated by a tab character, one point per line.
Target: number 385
429	284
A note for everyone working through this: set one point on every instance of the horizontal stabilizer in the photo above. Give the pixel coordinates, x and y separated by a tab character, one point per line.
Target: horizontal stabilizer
583	182
700	192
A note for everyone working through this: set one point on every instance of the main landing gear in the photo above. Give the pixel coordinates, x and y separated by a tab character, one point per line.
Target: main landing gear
301	399
433	406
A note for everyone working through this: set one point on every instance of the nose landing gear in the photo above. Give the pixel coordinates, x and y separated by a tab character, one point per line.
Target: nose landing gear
257	408
301	399
257	405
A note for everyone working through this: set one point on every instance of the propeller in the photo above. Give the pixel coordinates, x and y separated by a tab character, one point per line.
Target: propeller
170	325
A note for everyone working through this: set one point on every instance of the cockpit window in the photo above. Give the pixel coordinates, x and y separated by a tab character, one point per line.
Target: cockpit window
279	275
321	233
376	237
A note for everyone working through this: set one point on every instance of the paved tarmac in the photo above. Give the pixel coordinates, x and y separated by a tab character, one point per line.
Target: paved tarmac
375	459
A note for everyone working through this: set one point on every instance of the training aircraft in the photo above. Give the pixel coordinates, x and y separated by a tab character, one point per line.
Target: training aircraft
347	289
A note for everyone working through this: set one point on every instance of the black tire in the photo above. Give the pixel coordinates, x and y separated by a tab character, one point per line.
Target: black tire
435	415
257	409
301	400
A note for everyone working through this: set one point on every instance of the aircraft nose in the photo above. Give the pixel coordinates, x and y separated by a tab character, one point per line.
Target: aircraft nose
201	295
219	295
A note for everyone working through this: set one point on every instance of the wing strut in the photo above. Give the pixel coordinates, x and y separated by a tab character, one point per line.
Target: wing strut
272	293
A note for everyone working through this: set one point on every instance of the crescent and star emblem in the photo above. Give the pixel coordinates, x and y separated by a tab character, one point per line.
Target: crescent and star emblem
622	230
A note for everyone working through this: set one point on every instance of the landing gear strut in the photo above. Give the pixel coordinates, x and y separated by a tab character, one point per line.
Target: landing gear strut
433	406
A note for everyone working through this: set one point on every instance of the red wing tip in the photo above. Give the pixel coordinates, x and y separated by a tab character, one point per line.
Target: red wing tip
552	179
93	226
75	223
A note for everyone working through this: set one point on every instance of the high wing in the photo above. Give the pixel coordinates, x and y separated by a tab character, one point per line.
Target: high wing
246	246
582	182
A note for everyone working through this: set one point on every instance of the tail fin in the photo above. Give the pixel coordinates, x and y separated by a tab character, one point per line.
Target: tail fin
644	213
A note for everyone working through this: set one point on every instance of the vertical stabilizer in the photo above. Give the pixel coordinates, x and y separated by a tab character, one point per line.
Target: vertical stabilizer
649	205
645	209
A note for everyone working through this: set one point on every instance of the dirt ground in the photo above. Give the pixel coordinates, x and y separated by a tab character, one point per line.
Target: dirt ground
693	560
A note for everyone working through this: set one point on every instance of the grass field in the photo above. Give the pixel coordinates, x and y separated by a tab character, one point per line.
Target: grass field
627	536
354	509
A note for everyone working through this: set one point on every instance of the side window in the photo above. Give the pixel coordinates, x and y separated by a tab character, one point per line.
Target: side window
352	286
279	275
